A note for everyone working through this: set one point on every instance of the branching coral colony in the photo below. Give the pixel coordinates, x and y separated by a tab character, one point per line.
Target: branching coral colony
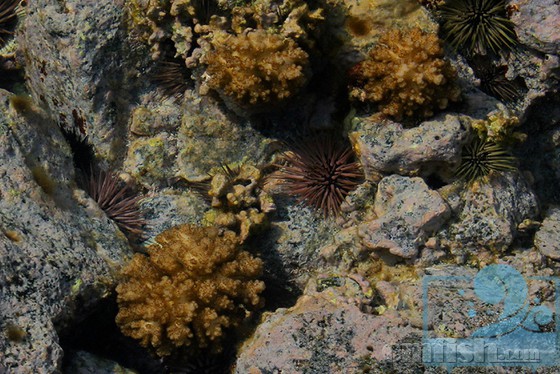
196	283
238	201
255	68
249	52
405	75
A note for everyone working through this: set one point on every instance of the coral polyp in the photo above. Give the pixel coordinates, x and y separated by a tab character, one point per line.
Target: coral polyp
321	172
477	26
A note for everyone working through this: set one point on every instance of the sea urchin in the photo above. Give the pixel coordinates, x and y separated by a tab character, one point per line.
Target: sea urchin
118	201
480	157
321	172
477	26
8	18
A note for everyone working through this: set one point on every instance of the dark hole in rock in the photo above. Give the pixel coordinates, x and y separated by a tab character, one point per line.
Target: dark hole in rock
99	334
434	181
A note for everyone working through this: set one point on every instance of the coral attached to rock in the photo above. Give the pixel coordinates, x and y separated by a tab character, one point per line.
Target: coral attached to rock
237	198
196	283
405	75
255	68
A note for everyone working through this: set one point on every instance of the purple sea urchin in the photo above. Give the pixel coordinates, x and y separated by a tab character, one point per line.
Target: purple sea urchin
321	172
118	201
172	78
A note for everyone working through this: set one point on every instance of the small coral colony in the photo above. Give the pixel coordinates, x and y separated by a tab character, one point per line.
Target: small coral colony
194	286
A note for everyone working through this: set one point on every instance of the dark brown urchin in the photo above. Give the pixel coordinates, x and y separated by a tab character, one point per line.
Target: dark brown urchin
172	78
493	81
477	26
481	157
321	172
118	200
8	19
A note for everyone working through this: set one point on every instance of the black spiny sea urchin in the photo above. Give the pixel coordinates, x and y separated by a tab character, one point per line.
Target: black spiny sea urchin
321	172
480	157
8	18
118	201
172	78
493	81
477	26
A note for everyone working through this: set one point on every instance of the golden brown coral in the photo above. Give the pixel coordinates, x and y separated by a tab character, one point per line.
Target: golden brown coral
238	201
406	75
255	68
196	283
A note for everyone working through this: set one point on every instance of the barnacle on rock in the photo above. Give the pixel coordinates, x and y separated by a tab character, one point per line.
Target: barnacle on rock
405	75
255	68
195	284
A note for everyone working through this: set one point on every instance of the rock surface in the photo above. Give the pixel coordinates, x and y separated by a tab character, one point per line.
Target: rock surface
86	363
488	214
537	24
320	336
388	147
547	238
59	251
76	66
408	212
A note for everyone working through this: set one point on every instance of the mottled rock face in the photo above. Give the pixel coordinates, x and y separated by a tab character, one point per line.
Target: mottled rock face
490	213
388	147
547	238
58	249
317	336
408	212
537	24
75	66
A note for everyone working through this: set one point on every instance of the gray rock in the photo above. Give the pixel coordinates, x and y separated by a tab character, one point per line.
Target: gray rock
59	252
547	238
77	66
408	213
490	213
291	247
536	24
388	147
86	363
320	336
